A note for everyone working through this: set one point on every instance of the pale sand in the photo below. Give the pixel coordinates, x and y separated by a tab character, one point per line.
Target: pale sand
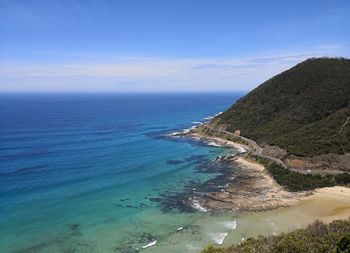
253	165
328	203
336	191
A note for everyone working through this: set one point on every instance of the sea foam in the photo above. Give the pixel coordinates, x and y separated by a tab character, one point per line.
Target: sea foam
213	144
150	244
196	205
195	124
241	150
232	225
218	238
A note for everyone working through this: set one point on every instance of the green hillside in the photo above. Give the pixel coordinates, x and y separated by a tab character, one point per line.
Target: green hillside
303	110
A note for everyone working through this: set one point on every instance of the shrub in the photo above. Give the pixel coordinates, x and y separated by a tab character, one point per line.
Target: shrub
213	249
343	245
317	237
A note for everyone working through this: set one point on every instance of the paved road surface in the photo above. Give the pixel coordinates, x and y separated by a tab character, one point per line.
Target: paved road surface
256	149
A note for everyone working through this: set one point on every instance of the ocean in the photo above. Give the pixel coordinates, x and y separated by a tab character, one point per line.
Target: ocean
101	173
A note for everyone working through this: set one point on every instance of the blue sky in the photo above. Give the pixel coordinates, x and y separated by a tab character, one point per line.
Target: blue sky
163	45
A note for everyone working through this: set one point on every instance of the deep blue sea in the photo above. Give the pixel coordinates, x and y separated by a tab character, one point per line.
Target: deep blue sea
82	172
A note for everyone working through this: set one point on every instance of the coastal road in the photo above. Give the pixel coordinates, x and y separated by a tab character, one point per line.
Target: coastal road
318	171
256	149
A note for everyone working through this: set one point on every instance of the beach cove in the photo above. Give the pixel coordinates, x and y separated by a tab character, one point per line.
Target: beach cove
270	211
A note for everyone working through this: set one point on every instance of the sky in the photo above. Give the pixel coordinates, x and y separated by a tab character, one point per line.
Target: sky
163	45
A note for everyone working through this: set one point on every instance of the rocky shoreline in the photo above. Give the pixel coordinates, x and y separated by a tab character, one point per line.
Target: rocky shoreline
243	185
252	190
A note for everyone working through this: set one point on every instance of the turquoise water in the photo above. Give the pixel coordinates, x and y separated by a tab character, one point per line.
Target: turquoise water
85	173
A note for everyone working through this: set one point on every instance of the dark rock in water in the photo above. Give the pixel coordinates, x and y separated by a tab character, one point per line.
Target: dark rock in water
33	249
146	238
62	243
183	201
195	229
74	226
125	249
136	205
174	162
69	250
155	199
134	240
131	206
75	229
196	157
219	158
26	170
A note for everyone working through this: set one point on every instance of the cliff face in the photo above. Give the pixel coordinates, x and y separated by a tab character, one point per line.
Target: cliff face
304	110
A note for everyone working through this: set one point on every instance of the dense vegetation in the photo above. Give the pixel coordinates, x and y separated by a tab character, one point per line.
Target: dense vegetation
317	237
303	110
295	181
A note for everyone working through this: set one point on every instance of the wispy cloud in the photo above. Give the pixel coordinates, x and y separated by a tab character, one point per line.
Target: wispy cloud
148	74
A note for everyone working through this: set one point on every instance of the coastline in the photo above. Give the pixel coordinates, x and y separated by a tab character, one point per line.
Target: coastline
220	141
246	196
244	201
257	191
